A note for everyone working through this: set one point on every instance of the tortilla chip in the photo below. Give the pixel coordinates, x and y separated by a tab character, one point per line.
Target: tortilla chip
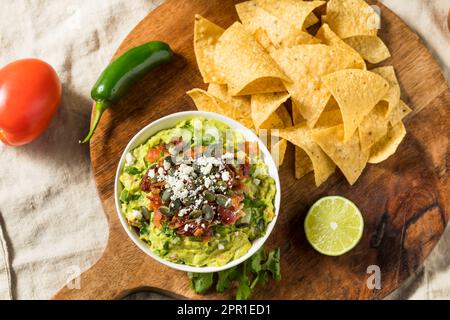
280	33
263	39
278	120
348	18
221	91
348	156
297	117
245	65
273	122
387	146
206	35
206	101
331	105
329	118
278	151
330	38
371	48
373	127
275	145
310	20
303	163
392	97
305	64
292	11
264	105
398	113
301	136
238	107
357	92
284	115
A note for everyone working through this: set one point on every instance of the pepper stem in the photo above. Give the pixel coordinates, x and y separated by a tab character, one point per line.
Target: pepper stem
100	107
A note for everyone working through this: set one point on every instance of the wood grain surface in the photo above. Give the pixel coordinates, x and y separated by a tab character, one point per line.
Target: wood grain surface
404	200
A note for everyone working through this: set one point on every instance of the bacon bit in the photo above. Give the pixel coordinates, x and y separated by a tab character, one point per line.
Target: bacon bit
236	201
208	234
246	169
159	184
156	192
177	222
188	233
146	184
198	232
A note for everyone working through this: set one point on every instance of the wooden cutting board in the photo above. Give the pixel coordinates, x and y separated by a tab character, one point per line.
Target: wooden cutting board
405	200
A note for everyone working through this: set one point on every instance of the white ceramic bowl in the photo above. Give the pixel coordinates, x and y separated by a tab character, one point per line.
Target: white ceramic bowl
170	122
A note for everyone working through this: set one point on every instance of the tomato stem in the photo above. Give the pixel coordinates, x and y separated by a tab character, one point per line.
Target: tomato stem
100	107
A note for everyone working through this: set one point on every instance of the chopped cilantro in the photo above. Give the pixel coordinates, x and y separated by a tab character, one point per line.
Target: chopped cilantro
255	270
254	203
132	170
226	277
201	282
166	230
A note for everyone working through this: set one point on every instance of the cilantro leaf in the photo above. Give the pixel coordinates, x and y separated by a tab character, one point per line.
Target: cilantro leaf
226	277
273	264
244	291
132	170
254	271
200	282
254	263
166	230
144	231
254	203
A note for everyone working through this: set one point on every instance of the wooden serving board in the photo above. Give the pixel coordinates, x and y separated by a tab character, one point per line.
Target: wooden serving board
405	200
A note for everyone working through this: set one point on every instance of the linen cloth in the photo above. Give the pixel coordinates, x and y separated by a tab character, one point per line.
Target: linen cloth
51	219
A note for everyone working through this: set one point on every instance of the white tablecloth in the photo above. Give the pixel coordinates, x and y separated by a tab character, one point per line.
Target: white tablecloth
52	223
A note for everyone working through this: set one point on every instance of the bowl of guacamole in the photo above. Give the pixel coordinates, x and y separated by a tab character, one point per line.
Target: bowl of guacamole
197	191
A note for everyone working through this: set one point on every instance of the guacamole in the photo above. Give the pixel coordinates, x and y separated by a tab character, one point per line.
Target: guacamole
197	193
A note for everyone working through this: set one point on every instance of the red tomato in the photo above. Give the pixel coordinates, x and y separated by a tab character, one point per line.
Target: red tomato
30	93
228	215
156	153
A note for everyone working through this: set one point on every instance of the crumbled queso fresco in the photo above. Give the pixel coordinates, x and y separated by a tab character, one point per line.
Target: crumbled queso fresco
191	176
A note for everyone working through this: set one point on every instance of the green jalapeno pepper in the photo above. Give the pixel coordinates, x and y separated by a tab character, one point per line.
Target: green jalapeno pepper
123	73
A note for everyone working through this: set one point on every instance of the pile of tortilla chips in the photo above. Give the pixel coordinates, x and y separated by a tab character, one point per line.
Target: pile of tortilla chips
298	69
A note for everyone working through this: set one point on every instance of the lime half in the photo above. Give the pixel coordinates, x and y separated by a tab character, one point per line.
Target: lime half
334	225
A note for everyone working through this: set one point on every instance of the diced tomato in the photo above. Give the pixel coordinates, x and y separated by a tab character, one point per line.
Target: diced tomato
228	215
155	203
156	153
157	216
